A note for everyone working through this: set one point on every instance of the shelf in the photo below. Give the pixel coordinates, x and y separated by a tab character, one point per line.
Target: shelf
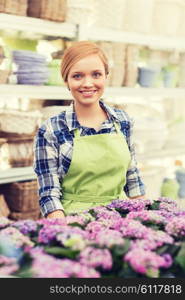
60	92
37	26
34	91
16	174
111	35
27	173
163	153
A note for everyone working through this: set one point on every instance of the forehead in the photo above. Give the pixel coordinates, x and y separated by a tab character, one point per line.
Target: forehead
88	63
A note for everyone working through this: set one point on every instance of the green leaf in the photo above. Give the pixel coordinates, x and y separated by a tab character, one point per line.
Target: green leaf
180	258
64	252
120	250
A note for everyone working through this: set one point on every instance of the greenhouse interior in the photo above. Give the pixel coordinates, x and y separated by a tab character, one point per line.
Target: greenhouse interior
144	42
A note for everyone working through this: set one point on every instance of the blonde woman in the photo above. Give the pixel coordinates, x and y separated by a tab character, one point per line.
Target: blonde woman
84	156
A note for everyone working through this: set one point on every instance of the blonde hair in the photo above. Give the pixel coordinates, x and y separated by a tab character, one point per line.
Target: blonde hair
78	51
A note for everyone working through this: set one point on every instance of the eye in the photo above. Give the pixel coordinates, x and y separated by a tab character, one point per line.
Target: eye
77	76
97	74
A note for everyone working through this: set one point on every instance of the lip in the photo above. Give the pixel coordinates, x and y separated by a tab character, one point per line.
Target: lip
88	93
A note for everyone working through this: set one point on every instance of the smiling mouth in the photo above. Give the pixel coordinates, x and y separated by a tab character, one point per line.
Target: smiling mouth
88	93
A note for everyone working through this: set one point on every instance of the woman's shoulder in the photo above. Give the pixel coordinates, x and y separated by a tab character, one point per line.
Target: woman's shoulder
120	114
53	125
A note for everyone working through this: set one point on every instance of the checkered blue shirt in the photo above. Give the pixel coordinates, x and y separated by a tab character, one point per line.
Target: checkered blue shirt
53	148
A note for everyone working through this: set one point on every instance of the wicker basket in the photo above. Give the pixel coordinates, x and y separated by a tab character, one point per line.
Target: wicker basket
54	10
19	122
20	150
4	210
167	17
4	74
16	7
110	13
34	215
22	196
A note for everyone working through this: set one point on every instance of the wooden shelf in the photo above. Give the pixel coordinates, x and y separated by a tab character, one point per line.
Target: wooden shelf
60	92
37	26
111	35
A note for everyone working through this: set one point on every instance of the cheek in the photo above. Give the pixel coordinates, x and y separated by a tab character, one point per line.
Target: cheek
72	84
102	83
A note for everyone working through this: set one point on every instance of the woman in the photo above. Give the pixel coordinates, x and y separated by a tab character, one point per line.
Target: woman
84	156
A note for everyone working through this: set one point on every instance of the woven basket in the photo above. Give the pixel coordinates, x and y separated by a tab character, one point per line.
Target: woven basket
4	210
110	13
138	15
131	68
16	7
54	10
19	122
4	74
81	12
20	150
33	215
22	196
167	17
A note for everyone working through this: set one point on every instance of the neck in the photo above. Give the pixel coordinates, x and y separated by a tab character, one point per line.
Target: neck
89	111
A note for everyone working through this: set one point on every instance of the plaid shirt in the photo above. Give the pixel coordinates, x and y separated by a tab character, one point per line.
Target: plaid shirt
53	150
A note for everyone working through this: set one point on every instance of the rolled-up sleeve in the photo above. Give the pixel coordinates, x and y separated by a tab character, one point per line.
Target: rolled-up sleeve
46	169
134	186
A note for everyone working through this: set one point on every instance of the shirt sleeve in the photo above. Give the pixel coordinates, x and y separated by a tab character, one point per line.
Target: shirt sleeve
134	186
46	168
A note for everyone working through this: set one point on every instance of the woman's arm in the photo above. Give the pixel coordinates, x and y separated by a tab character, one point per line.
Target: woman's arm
134	187
57	214
46	168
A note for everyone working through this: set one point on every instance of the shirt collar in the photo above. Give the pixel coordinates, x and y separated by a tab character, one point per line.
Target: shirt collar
72	121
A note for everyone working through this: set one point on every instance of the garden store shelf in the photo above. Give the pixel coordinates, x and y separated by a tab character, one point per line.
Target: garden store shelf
37	26
17	174
27	173
171	152
60	92
111	35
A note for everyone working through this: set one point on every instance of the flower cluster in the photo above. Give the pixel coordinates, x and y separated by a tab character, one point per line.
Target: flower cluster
144	238
176	227
46	266
8	265
147	262
93	257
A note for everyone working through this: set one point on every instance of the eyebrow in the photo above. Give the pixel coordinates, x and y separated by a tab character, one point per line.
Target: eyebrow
83	72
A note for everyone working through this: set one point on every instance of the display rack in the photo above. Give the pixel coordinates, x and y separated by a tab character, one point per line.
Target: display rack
37	26
17	174
111	35
27	173
60	92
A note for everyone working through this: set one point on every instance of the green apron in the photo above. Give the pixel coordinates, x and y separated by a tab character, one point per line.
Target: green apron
97	173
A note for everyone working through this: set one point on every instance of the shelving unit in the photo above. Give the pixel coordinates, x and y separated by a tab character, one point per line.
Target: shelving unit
60	92
17	174
27	173
36	26
110	35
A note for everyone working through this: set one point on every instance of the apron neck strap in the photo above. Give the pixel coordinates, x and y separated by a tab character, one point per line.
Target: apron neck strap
117	127
77	130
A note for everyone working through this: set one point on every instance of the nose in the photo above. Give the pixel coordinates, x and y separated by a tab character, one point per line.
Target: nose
87	81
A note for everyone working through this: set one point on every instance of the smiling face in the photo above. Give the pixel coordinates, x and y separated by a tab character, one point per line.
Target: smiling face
86	80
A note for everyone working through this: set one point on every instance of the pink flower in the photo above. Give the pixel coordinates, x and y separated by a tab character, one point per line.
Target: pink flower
146	262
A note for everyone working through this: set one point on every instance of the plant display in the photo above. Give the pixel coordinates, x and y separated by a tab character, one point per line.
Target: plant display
127	238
